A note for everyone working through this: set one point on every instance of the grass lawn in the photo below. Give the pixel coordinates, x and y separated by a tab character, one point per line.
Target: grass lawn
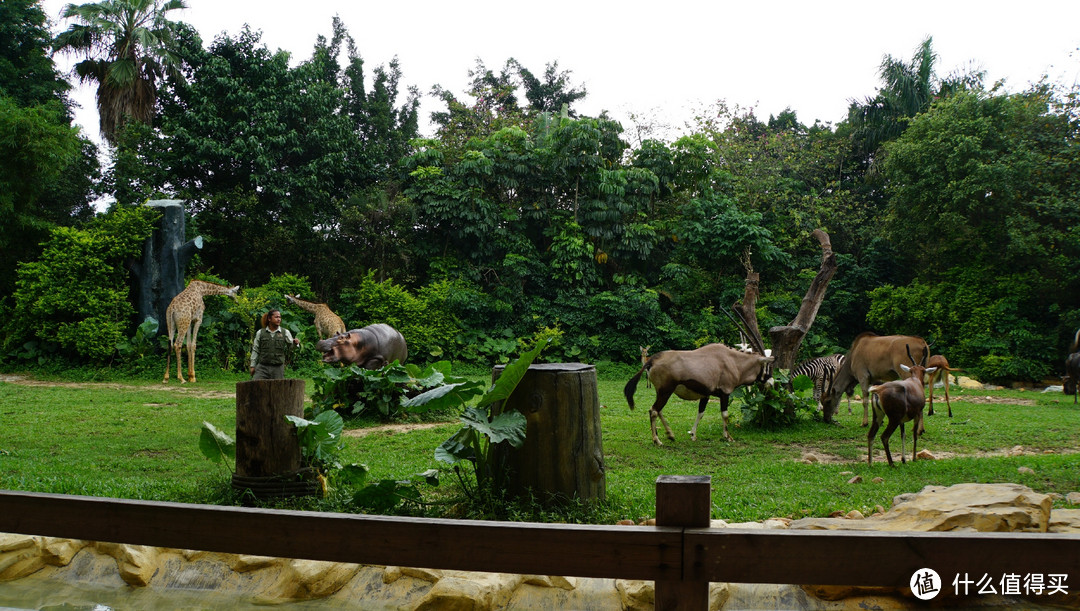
139	440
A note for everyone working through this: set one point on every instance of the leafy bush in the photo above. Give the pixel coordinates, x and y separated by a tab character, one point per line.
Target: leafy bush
429	329
143	342
481	428
984	327
777	405
74	300
355	391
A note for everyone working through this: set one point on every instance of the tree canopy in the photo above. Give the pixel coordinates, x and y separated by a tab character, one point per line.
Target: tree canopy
951	208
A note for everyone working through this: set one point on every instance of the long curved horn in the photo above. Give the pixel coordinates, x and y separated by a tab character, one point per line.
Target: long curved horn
744	329
908	346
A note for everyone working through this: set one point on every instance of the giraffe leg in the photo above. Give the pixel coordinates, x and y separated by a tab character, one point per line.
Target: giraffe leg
182	330
191	348
168	363
168	351
177	347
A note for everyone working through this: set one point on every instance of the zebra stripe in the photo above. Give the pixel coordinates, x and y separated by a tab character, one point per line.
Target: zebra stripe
821	370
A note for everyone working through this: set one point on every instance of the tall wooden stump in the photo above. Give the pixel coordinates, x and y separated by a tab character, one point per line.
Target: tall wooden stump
267	448
562	457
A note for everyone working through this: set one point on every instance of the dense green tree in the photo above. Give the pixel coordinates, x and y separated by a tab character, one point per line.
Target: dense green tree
385	129
128	47
553	92
47	168
27	72
271	157
988	182
984	204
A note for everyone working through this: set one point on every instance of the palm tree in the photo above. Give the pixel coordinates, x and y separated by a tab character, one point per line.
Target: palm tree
907	90
127	45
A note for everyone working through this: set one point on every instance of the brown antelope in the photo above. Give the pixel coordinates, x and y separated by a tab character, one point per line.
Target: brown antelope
902	401
940	363
871	359
711	370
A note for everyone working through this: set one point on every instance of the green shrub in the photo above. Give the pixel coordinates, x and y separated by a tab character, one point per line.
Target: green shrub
429	329
778	405
74	300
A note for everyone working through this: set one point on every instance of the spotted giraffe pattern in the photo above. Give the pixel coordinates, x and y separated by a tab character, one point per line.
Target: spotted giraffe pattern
183	318
327	324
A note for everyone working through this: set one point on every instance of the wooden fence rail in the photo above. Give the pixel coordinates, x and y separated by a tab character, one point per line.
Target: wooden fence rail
679	554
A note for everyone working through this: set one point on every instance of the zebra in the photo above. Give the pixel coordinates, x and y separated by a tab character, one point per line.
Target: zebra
821	370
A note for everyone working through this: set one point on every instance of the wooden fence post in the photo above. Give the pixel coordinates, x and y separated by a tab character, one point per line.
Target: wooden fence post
684	501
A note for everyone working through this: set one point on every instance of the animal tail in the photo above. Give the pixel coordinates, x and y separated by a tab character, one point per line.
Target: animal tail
631	387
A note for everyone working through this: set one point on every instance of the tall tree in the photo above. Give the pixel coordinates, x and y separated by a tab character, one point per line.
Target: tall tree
46	167
551	93
128	46
907	89
27	72
984	210
273	158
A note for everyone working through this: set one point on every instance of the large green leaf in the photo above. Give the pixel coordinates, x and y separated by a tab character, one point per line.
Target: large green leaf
379	497
508	426
511	376
354	474
457	448
320	438
442	397
215	444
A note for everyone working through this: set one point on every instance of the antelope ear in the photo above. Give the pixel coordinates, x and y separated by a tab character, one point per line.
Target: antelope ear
931	370
905	367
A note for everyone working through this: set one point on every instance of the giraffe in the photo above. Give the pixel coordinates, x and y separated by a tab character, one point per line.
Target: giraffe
327	324
184	316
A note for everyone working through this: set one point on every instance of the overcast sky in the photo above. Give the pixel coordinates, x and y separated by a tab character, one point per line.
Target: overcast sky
811	56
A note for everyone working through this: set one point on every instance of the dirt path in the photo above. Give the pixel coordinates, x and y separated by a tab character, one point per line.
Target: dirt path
393	429
188	389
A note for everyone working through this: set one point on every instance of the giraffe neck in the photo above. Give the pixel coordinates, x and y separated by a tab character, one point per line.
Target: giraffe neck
204	288
307	306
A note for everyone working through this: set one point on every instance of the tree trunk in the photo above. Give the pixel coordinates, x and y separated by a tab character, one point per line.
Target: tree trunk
562	456
268	457
786	340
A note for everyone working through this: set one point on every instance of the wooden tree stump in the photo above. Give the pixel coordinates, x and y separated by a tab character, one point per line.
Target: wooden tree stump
267	449
562	457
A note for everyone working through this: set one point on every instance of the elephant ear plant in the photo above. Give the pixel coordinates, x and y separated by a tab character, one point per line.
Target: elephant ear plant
480	430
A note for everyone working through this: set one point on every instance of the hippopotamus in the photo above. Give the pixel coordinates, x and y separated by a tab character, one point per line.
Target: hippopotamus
370	347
